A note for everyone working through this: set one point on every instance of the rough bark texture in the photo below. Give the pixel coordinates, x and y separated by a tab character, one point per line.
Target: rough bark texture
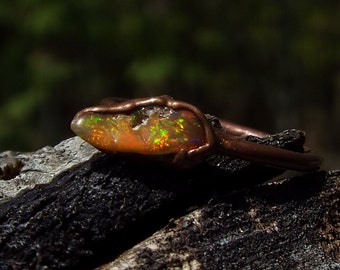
290	224
93	209
19	171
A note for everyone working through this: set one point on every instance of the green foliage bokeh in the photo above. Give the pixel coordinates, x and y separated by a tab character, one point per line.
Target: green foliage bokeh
270	64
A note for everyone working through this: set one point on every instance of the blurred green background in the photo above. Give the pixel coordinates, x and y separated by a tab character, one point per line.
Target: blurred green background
272	65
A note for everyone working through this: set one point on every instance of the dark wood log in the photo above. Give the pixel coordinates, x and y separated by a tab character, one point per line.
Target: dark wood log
290	224
97	206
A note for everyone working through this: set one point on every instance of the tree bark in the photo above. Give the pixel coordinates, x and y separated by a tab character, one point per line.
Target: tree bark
78	208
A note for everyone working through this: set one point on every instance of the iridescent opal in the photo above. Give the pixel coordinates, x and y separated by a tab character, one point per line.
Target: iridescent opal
151	130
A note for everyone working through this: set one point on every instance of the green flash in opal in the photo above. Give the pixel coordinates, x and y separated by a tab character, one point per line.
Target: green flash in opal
151	130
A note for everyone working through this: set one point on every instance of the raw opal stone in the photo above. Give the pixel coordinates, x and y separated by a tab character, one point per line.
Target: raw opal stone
151	130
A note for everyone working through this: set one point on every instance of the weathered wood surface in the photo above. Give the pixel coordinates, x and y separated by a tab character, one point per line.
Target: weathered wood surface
286	225
95	209
40	167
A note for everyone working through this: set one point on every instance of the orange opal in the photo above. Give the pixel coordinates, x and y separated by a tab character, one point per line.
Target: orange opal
151	130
